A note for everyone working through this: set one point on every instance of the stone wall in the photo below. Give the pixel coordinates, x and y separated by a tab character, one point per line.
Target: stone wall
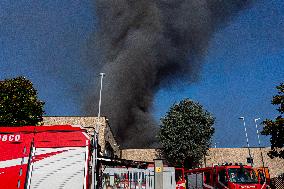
216	155
147	155
91	124
239	155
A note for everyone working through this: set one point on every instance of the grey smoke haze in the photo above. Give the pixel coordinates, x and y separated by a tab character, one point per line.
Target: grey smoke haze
143	45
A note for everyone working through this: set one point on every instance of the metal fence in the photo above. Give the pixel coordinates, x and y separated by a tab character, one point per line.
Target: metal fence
278	182
134	178
195	181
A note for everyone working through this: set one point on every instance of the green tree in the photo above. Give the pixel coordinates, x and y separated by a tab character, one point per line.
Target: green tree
275	128
19	105
185	133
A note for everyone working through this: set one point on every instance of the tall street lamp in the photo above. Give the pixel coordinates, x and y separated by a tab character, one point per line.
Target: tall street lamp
243	118
215	144
101	88
95	140
255	120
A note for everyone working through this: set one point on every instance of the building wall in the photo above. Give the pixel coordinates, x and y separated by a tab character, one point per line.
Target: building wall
216	155
239	155
91	124
147	155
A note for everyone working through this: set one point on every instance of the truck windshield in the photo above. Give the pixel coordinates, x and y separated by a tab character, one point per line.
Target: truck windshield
242	175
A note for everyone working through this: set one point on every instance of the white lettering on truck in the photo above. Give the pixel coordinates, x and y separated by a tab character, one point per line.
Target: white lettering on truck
10	138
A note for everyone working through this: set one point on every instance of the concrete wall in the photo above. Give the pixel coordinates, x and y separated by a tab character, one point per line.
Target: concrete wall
90	123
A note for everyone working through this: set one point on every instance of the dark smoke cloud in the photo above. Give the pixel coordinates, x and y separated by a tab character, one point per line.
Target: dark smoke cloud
142	45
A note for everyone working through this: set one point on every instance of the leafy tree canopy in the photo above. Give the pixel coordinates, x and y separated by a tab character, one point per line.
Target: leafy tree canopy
275	128
19	105
185	133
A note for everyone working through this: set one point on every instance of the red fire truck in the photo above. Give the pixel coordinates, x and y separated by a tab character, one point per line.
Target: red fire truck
44	157
263	174
180	179
226	176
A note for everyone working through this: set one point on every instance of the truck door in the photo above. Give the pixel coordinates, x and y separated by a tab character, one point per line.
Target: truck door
60	159
208	179
222	181
15	151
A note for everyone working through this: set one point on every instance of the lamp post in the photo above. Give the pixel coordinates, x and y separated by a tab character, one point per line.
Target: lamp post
95	140
101	88
215	144
255	120
243	118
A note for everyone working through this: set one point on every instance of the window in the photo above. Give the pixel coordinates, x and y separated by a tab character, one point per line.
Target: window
242	175
178	175
207	177
222	177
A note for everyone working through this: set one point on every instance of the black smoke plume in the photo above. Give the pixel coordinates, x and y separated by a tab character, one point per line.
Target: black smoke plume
141	45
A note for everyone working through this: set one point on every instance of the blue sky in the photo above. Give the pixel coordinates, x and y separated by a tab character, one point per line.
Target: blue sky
46	42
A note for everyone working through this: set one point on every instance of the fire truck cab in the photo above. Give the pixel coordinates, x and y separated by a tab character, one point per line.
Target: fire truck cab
224	177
